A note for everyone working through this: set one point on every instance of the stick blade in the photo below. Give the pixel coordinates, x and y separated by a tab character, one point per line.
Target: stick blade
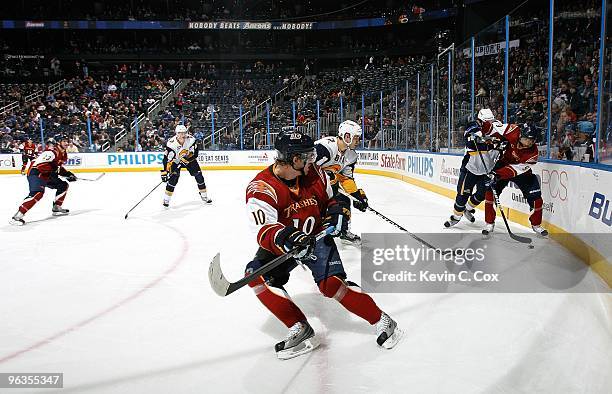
524	240
218	282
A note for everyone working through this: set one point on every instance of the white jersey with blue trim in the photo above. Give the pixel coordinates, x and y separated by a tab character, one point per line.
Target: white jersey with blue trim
329	157
473	161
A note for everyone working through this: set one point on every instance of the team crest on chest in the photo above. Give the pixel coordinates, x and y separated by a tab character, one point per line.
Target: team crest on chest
296	206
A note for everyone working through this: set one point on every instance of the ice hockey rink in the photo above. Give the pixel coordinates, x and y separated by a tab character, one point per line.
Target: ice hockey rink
124	306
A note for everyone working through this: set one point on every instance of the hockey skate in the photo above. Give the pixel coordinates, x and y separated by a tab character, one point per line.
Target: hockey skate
300	340
17	219
452	221
205	198
469	215
57	210
488	230
350	239
541	231
387	332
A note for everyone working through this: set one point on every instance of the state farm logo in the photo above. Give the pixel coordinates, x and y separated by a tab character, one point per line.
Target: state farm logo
392	161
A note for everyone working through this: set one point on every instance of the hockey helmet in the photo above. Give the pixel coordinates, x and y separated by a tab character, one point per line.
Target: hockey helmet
180	129
351	128
529	130
484	115
60	137
294	143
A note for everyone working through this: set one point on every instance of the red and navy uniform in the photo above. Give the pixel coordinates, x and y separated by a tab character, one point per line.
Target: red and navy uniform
44	172
28	153
276	206
515	166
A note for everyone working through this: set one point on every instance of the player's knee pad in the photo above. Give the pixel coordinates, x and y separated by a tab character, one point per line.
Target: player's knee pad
477	197
275	279
533	195
62	187
336	287
34	193
194	170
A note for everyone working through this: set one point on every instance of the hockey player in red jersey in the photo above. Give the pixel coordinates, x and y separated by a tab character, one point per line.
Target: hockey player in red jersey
288	203
45	172
28	153
519	155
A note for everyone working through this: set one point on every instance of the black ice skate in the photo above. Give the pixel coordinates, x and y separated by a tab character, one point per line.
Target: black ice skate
387	332
300	340
205	198
17	219
349	238
469	215
452	221
541	231
488	230
59	211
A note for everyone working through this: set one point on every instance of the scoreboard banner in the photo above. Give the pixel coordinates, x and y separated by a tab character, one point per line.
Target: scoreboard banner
219	25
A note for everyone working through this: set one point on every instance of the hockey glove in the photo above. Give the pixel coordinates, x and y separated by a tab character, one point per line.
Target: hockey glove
70	177
164	176
290	238
338	217
361	201
491	181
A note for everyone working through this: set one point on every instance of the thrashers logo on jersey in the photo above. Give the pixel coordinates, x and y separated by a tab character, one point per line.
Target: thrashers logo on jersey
259	186
296	206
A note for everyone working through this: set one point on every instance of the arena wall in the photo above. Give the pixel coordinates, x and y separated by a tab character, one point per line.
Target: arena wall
577	207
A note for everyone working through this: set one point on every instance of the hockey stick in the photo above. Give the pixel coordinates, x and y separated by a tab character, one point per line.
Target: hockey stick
152	190
223	287
416	237
92	180
521	239
138	203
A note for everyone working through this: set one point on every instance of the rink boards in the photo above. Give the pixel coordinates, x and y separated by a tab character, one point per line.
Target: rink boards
577	208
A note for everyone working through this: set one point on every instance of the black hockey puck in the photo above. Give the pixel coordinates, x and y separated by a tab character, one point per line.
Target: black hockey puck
530	246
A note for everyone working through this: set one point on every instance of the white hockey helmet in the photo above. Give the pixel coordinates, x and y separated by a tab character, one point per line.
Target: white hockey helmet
180	129
351	128
485	114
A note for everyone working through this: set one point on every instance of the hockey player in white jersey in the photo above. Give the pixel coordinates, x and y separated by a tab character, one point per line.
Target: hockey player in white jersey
337	157
182	152
473	175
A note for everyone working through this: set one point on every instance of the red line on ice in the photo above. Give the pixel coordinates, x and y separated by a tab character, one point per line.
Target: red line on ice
108	310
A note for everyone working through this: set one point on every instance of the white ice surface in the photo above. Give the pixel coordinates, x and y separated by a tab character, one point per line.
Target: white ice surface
124	306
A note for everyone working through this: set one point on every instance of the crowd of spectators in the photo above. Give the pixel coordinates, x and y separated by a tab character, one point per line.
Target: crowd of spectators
575	74
107	103
215	101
